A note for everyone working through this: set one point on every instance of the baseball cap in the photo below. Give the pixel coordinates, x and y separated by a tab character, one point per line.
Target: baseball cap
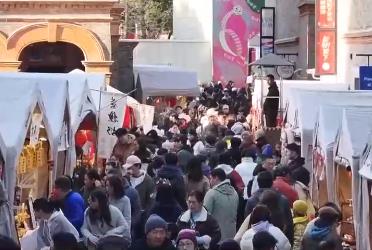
131	160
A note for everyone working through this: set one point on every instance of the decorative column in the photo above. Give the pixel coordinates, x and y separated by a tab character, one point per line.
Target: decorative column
99	67
307	33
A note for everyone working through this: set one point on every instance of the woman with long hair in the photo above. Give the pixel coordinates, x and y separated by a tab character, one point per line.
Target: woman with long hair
117	197
194	178
101	220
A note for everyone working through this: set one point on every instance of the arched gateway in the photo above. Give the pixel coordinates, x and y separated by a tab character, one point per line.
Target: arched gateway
55	26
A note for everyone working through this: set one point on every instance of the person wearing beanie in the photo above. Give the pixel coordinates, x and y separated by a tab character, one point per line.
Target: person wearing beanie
229	245
186	240
264	241
300	221
321	229
156	236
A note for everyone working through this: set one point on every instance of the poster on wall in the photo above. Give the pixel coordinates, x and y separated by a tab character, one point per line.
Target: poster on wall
326	52
326	14
267	31
111	118
234	23
326	39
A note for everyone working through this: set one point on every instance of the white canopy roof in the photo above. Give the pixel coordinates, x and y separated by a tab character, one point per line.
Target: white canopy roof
307	105
352	136
155	80
18	99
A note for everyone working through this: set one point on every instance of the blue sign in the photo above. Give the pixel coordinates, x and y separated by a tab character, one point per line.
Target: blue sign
365	77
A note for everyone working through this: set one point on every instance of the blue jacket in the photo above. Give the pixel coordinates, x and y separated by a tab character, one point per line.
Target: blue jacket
73	209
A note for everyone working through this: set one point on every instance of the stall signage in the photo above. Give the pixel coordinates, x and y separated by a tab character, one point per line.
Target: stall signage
326	38
111	118
365	76
35	128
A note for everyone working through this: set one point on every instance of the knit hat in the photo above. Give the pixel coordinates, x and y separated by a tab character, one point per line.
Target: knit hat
229	245
187	234
154	222
300	207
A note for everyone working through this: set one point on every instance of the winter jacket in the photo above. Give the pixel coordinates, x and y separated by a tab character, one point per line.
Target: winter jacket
304	194
73	209
118	226
285	211
175	176
314	234
204	224
57	223
135	203
299	225
282	244
142	245
222	203
123	204
282	186
235	179
208	150
245	170
145	187
271	105
169	212
298	162
201	186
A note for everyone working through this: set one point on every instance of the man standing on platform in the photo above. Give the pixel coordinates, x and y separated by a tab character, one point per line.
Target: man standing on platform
271	104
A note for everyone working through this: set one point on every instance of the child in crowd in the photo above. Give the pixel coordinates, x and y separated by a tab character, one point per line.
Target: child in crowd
300	221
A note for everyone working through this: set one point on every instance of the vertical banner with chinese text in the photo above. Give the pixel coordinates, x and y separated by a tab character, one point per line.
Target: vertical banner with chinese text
234	23
326	39
111	118
267	31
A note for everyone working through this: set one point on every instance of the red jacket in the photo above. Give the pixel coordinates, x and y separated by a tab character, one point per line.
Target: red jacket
281	185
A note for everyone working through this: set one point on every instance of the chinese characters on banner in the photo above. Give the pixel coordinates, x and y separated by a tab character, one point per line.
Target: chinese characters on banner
111	118
35	128
267	31
326	41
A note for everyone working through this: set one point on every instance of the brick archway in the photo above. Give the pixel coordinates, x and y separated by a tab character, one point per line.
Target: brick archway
95	58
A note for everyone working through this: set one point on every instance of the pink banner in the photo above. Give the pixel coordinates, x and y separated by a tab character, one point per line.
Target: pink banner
234	24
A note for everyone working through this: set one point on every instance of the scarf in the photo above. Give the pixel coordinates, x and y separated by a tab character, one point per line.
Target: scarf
299	220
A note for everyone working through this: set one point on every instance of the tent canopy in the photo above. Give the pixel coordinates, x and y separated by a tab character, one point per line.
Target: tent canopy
165	81
271	60
351	139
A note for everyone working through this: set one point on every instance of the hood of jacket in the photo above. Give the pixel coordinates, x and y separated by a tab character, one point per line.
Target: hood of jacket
319	233
170	172
225	188
186	216
262	226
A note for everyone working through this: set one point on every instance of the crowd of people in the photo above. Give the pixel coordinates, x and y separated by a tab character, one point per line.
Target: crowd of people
199	180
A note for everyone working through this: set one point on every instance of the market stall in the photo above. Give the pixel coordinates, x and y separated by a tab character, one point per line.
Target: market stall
305	107
327	124
25	131
154	80
350	190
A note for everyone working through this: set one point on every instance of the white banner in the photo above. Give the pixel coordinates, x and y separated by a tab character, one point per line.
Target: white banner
111	118
63	138
35	128
146	117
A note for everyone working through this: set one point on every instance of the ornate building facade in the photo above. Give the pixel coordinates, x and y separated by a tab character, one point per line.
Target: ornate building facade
59	35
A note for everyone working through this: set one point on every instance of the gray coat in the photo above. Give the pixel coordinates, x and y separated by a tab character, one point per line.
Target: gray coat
123	204
222	203
100	229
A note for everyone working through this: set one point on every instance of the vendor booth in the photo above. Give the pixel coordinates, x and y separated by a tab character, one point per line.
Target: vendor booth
305	108
327	124
27	139
153	81
350	190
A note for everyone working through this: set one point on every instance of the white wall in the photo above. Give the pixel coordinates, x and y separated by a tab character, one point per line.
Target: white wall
193	19
190	55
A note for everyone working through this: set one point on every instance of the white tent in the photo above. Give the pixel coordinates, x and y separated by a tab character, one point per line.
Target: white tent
328	122
153	80
307	105
350	142
18	100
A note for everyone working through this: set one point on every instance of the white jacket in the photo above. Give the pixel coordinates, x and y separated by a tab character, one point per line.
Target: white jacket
245	170
246	242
